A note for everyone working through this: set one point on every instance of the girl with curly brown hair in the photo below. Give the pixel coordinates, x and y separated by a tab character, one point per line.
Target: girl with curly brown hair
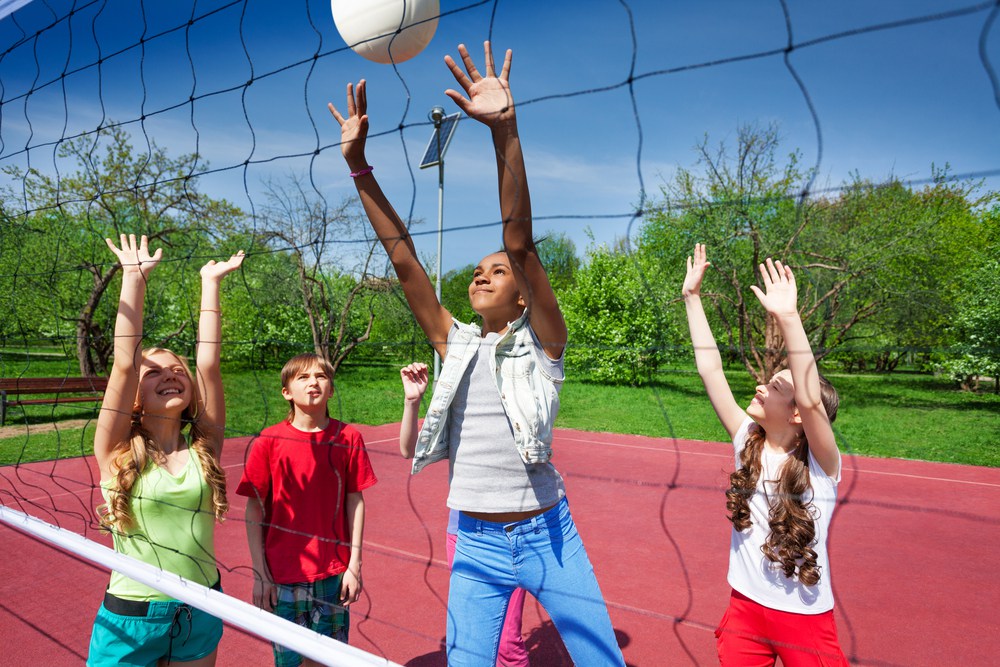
783	492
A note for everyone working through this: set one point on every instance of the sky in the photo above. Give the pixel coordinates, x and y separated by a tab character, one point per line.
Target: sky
869	88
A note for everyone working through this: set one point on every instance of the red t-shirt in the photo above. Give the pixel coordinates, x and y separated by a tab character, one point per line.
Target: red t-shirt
303	479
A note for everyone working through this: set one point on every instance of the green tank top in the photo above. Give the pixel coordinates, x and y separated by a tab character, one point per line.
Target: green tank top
174	528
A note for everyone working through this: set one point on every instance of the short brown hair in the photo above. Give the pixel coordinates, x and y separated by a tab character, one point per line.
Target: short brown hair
296	365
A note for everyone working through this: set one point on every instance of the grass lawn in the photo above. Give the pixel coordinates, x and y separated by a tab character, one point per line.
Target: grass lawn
900	415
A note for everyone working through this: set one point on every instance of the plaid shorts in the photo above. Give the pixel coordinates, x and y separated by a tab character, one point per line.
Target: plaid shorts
314	605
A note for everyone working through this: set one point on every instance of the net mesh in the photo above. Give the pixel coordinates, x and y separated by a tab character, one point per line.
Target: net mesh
162	118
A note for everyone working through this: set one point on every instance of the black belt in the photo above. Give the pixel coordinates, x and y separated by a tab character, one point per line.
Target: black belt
123	607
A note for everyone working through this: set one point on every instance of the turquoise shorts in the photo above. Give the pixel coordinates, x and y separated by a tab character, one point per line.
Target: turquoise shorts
314	605
128	632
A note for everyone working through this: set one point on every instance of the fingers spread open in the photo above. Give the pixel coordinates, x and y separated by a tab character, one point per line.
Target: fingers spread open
470	66
505	72
488	53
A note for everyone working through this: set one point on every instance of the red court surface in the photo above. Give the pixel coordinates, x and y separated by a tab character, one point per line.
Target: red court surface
915	548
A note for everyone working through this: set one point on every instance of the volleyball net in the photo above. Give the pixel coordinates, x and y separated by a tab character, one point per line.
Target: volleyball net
204	126
323	650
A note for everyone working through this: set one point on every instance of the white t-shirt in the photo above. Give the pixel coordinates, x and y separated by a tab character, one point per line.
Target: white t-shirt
750	572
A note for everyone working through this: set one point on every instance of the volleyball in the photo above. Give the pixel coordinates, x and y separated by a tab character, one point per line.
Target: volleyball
369	26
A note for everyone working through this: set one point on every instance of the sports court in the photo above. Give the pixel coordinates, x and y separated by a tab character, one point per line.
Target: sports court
914	549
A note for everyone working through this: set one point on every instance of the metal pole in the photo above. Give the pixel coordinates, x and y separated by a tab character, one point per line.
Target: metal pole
436	116
437	285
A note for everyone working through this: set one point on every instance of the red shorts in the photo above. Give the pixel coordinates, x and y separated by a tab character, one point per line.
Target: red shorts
752	635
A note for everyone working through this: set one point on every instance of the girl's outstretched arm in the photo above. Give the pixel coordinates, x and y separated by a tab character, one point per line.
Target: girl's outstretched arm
114	421
414	379
779	297
491	103
433	318
706	352
212	411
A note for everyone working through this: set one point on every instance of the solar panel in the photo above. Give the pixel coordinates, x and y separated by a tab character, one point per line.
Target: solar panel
438	144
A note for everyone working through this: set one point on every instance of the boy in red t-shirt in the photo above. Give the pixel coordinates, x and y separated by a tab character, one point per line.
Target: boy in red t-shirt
305	512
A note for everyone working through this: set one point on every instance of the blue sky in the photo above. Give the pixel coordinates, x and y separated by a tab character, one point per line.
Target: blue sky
888	101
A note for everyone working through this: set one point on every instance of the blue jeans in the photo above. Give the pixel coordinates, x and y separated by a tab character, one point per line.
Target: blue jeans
543	555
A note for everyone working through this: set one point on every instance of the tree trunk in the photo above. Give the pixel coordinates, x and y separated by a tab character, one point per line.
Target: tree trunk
85	322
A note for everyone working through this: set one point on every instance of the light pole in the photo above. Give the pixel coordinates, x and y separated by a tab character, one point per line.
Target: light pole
444	129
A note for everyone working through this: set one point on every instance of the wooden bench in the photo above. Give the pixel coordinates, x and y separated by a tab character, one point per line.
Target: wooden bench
83	389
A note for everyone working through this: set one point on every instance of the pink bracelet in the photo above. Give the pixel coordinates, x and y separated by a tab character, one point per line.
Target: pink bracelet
362	172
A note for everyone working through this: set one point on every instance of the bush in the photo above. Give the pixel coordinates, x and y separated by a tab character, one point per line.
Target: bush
618	332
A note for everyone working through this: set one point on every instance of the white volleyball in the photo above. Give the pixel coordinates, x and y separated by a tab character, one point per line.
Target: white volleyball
368	26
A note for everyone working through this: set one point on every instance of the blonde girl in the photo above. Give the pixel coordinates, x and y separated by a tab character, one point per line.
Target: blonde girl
158	441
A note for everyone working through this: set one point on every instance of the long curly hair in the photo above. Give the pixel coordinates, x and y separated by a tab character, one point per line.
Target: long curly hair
135	453
790	519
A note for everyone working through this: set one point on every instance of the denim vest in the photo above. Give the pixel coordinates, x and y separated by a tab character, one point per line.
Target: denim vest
529	396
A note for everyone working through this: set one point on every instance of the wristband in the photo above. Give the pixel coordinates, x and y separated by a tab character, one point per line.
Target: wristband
362	172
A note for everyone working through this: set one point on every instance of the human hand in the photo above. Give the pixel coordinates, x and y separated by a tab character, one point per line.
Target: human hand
353	128
695	271
489	100
265	593
350	587
218	270
134	257
780	295
415	380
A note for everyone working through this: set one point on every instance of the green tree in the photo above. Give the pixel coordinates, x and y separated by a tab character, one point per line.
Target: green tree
264	323
876	264
110	189
395	336
332	257
558	255
977	320
617	329
906	251
742	205
455	293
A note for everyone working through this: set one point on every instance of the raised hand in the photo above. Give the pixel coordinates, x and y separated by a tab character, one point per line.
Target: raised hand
780	295
134	257
489	99
218	270
415	379
695	271
353	128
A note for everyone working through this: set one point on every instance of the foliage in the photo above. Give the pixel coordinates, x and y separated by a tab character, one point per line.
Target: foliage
617	331
62	270
396	338
876	265
977	322
742	206
558	255
263	321
909	250
337	294
455	293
